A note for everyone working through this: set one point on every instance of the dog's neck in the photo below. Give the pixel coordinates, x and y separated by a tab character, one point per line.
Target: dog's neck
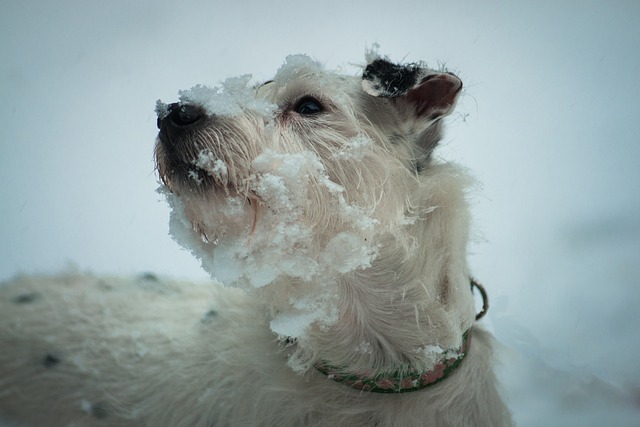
412	305
397	324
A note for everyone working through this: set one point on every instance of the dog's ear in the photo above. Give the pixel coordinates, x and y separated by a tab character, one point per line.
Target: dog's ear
420	95
431	94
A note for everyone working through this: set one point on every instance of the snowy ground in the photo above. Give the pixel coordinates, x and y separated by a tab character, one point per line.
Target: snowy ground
549	124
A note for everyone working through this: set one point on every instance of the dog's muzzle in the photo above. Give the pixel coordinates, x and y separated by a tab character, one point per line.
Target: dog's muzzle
180	120
176	149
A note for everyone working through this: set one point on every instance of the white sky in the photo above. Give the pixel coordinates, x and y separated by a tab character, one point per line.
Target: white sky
549	123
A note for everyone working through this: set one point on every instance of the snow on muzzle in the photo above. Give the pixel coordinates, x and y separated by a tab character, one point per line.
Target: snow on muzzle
184	151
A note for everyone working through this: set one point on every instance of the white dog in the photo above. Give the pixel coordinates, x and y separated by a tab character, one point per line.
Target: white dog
319	197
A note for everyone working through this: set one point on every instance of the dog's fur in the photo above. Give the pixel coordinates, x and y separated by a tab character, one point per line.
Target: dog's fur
373	276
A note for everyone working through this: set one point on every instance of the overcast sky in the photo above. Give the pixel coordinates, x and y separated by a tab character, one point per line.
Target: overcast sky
549	124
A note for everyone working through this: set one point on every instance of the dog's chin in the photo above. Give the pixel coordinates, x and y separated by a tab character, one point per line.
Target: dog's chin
213	211
181	177
189	180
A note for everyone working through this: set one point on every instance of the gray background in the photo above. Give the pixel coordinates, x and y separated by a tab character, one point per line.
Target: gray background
549	124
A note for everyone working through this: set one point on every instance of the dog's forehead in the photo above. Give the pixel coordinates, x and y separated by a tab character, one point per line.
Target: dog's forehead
325	86
300	76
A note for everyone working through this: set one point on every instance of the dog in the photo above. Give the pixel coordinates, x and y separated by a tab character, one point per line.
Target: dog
340	238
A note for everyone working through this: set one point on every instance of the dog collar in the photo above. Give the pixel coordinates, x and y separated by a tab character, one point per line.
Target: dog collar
403	381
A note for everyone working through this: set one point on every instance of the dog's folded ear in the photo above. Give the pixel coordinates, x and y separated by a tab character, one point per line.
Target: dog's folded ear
432	94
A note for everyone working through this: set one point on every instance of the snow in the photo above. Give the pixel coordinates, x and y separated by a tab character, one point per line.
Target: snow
356	148
162	109
230	98
281	246
547	122
214	166
294	65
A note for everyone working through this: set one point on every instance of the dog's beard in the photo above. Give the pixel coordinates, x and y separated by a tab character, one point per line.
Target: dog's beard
290	245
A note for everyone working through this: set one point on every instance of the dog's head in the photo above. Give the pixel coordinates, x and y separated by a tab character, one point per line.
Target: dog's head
302	178
209	140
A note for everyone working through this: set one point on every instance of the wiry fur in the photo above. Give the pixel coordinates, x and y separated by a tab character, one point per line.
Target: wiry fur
91	351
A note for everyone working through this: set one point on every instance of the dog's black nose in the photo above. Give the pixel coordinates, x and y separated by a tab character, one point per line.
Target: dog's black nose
184	114
181	115
178	121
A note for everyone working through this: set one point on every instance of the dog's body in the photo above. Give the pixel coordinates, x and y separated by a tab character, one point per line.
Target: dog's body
319	196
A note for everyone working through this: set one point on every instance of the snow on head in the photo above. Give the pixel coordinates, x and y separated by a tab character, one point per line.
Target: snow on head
231	98
162	109
295	65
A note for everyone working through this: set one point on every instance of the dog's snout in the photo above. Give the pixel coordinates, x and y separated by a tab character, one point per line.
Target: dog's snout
179	120
181	116
184	114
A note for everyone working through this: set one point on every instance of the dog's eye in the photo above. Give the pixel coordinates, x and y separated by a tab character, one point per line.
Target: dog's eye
308	106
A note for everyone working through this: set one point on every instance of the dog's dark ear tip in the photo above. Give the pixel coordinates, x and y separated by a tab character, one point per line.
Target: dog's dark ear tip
384	79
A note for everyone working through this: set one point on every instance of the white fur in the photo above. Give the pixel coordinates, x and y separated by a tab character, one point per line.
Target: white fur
344	234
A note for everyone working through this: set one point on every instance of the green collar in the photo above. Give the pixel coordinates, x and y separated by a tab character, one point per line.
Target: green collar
401	381
404	381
